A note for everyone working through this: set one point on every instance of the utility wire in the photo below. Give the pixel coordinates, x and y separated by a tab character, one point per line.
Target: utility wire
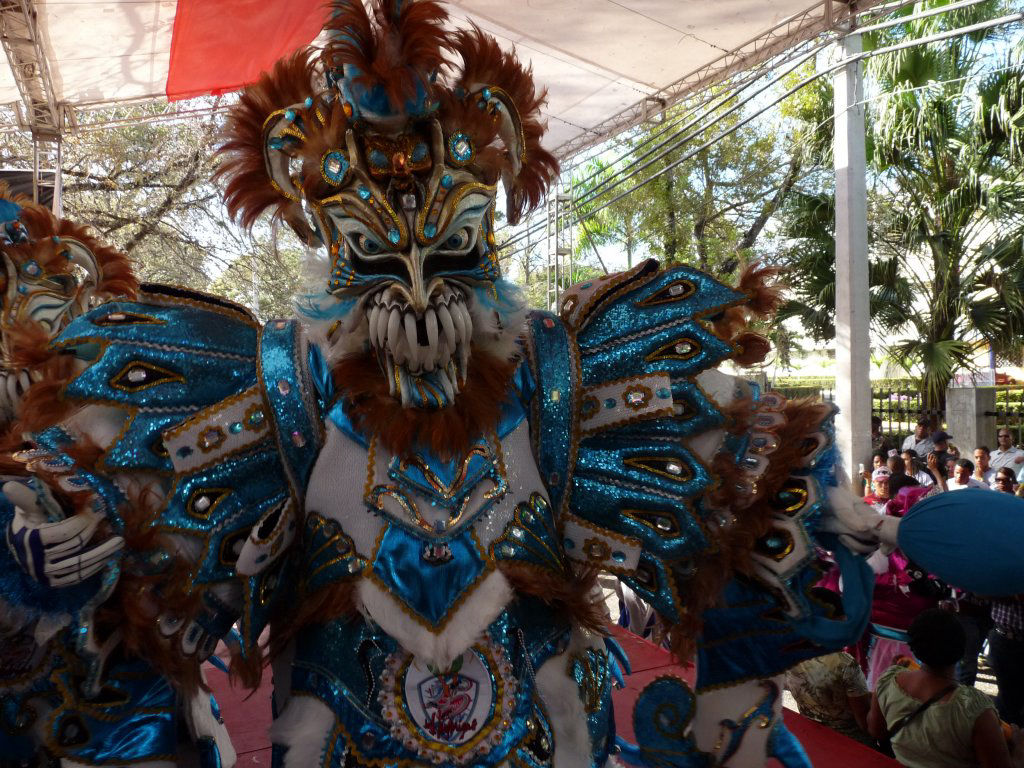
937	37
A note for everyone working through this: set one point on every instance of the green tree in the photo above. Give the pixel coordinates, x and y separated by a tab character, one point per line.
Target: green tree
708	210
947	157
145	187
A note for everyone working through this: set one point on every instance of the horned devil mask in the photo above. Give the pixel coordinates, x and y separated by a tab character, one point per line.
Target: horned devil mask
371	151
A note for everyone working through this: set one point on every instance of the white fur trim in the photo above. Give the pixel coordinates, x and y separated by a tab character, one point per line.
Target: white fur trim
201	723
561	697
487	600
304	727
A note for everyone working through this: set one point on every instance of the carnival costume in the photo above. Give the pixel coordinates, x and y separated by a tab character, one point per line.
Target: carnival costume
54	271
416	496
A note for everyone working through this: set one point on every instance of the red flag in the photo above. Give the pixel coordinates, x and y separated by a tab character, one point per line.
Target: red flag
219	46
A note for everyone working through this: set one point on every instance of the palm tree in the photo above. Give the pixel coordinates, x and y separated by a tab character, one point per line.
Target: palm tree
946	140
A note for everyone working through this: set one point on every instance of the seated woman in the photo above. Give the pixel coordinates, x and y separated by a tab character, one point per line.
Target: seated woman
931	720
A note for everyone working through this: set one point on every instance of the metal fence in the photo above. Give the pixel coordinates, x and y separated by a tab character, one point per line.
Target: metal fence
1010	411
899	404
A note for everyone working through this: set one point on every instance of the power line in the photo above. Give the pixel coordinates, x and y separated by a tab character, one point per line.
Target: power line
937	37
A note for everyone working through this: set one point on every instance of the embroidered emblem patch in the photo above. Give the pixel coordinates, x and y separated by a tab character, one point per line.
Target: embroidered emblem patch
455	714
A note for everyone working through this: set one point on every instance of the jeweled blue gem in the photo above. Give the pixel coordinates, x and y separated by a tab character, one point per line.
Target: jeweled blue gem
56	239
609	403
663	393
619	557
335	167
429	230
486	93
289	115
235	428
31	268
308	103
481	104
585	286
446	181
378	159
22	289
394	235
460	147
276	143
364	192
419	153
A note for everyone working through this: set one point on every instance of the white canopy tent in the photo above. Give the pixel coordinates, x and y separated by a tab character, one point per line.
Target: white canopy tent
608	64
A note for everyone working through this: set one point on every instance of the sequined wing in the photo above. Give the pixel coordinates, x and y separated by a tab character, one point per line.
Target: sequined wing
207	426
617	394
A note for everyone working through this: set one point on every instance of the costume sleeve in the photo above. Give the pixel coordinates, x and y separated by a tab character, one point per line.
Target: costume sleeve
192	433
701	492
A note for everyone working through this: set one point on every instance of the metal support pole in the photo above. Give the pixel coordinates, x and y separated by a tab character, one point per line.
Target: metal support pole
853	343
58	181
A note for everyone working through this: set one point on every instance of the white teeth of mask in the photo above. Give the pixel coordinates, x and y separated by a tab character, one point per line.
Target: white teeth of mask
410	344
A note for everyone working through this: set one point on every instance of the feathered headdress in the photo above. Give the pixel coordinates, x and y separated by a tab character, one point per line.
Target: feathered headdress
395	101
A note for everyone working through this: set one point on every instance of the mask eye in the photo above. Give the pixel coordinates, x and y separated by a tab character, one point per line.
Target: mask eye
368	245
458	241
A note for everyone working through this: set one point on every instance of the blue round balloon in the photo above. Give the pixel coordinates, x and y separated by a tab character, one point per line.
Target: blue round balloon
972	539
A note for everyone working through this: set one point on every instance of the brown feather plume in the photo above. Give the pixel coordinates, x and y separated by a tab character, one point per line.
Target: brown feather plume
398	53
448	433
484	63
116	278
734	543
249	191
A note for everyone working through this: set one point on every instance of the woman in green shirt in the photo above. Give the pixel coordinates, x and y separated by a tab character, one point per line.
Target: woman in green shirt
934	722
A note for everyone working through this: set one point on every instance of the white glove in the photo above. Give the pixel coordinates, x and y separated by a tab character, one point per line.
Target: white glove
859	527
56	554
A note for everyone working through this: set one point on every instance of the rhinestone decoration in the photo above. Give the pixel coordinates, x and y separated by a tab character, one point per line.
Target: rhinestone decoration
283	386
364	192
674	468
409	202
556	395
137	375
116	317
255	417
335	168
637	397
31	268
394	236
202	504
683	347
298	439
235	427
211	438
447	181
597	549
609	403
460	148
663	524
429	230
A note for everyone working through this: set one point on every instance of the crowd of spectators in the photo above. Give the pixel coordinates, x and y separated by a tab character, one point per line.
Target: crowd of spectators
908	687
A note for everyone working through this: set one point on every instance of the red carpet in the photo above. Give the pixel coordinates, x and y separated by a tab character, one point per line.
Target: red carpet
247	716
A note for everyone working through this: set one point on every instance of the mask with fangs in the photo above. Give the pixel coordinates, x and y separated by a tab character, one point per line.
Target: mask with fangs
395	177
